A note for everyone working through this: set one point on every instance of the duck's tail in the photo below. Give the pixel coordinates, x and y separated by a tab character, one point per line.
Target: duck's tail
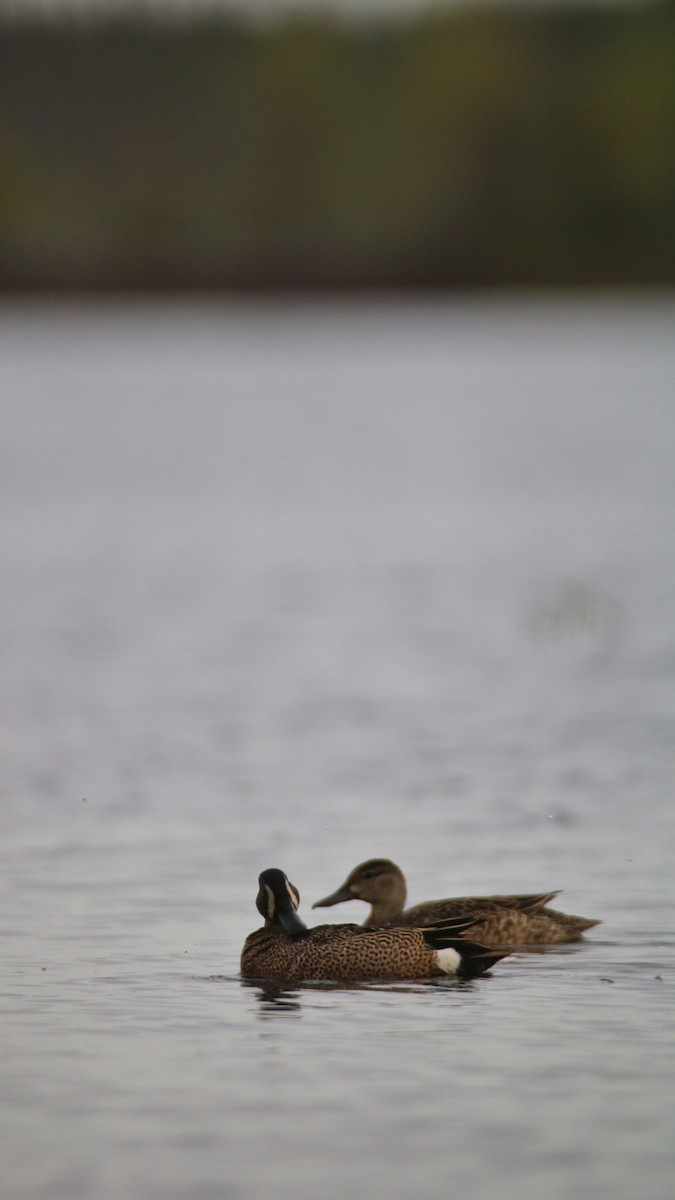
469	958
573	926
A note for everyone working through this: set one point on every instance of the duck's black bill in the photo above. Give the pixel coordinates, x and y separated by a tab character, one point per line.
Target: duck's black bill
342	894
291	923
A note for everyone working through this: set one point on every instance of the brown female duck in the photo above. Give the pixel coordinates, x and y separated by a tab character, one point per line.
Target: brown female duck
498	920
285	949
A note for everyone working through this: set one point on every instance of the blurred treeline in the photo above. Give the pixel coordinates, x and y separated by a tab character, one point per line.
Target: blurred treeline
463	148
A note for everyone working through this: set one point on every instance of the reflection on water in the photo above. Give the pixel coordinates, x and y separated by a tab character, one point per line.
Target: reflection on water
306	586
279	993
275	1001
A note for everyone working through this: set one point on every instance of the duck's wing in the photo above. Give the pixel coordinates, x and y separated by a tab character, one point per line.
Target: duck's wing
529	902
474	906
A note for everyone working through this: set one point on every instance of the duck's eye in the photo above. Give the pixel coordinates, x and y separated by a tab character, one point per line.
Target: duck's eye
369	874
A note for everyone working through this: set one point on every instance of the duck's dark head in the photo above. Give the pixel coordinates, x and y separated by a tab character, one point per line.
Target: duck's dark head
277	901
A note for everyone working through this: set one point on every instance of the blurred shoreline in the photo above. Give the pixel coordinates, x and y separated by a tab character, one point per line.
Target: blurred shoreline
461	149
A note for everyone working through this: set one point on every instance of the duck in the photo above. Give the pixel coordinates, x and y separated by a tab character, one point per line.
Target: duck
284	948
518	920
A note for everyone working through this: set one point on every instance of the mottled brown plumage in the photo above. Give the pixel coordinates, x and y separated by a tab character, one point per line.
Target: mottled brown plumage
499	920
285	949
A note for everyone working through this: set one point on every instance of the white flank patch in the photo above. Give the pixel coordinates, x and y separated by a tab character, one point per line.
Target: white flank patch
448	960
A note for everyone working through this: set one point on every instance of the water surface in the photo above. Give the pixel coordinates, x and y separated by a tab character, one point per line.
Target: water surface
294	585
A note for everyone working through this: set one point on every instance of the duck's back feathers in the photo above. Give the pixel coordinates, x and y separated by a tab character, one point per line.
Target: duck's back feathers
476	906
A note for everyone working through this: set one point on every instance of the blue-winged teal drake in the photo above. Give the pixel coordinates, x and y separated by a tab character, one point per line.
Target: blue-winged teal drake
498	920
286	949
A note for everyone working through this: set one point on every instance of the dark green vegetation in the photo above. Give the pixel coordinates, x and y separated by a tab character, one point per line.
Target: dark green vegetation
466	148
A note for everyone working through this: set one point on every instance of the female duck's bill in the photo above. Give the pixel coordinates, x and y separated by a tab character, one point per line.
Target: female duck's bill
285	949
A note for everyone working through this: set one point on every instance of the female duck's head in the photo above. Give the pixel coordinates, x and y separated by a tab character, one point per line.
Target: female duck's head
278	900
379	882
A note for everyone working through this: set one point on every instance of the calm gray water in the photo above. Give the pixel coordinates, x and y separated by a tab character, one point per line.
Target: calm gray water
294	586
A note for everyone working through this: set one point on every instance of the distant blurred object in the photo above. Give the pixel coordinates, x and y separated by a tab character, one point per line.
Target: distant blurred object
569	608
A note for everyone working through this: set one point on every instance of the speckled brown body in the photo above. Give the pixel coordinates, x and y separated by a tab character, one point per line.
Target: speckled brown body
518	920
502	925
339	952
509	928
